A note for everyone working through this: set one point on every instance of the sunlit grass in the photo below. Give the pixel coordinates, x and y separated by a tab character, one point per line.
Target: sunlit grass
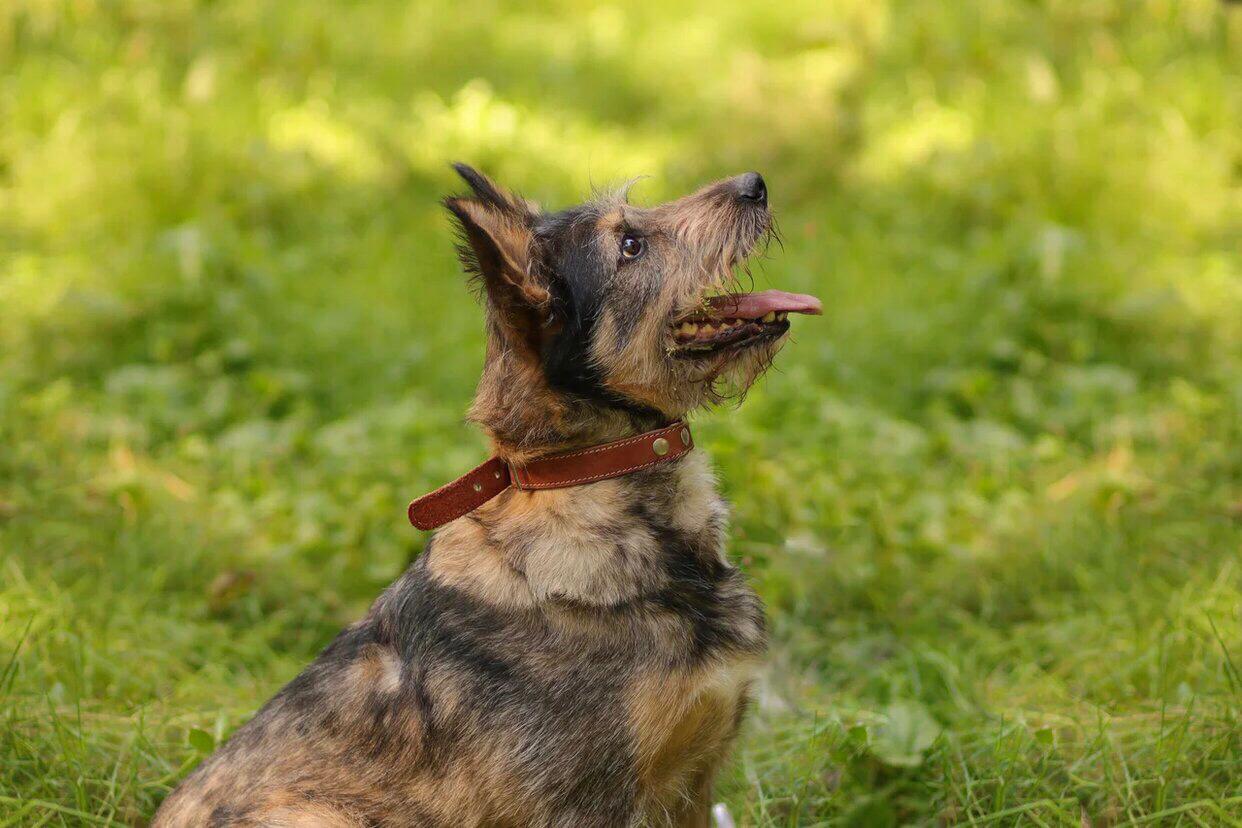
993	498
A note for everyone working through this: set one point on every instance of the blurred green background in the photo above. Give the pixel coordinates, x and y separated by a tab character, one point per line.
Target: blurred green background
993	498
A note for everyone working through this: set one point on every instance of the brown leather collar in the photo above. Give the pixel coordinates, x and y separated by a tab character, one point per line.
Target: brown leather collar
473	489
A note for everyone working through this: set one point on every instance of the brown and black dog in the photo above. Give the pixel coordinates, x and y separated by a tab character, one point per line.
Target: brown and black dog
572	657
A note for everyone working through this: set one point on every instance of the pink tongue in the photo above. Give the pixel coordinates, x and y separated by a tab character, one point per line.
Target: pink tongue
756	305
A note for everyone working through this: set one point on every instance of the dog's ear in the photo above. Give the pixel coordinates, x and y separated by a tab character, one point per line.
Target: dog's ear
497	248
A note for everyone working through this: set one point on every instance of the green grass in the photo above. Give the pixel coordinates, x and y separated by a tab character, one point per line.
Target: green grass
993	498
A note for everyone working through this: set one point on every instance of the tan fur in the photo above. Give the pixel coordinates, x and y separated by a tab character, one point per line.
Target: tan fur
683	724
463	559
304	816
562	557
378	669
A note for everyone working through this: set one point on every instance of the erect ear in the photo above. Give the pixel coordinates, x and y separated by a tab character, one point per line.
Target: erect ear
497	248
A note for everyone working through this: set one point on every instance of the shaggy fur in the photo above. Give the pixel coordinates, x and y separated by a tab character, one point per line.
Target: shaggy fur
570	657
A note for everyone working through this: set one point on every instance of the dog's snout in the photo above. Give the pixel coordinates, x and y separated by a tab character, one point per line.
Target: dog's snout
751	187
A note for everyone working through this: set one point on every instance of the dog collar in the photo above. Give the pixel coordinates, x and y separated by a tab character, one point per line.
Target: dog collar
558	471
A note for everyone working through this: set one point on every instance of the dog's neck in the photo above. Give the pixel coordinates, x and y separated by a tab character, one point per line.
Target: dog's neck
525	418
602	544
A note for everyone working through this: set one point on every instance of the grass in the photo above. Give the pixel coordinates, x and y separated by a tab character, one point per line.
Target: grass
993	499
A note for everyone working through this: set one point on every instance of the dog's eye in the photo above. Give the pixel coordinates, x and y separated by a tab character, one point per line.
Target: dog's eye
631	247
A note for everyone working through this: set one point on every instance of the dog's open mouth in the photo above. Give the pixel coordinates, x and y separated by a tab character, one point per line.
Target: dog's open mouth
739	320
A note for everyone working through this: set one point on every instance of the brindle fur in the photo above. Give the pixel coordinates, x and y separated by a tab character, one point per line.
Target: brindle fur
570	657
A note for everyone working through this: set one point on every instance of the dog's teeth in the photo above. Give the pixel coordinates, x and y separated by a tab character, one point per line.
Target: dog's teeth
688	329
782	316
706	330
770	317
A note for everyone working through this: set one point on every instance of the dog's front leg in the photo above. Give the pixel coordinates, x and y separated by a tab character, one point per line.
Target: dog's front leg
698	810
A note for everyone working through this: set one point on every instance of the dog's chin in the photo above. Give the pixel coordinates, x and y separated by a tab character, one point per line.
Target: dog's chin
726	373
743	366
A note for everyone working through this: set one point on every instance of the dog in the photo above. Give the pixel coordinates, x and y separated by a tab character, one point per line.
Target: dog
578	653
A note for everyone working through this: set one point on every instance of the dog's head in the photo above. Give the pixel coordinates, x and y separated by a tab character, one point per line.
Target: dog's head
609	310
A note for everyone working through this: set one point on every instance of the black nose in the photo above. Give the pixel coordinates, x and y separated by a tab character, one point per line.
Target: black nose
751	187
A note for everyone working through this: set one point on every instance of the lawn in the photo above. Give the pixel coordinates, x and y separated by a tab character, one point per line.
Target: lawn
993	498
